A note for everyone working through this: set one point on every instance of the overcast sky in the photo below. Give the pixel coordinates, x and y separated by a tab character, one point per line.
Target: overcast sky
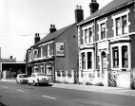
20	19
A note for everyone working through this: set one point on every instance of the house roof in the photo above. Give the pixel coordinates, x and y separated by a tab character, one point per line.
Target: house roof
113	5
54	35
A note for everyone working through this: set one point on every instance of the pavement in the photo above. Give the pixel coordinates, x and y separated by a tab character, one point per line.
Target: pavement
90	88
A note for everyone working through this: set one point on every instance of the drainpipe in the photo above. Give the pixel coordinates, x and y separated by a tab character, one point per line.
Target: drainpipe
95	44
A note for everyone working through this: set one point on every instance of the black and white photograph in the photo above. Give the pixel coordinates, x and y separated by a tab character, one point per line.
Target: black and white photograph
67	52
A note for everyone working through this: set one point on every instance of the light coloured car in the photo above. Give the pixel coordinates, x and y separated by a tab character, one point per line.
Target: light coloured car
21	78
38	78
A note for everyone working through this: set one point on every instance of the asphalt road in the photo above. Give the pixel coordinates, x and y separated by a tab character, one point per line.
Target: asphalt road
12	94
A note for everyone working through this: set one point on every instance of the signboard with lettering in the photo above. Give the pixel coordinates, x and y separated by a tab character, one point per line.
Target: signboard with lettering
60	49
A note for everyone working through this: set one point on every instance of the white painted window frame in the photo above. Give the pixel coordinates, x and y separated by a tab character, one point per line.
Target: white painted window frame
83	29
119	15
86	56
119	45
103	21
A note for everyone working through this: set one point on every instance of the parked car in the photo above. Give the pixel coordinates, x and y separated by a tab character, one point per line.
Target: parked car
38	78
22	78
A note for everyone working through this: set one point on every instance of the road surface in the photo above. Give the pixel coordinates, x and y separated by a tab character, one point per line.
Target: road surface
12	94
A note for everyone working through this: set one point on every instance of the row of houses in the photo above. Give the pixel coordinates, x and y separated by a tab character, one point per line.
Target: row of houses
95	50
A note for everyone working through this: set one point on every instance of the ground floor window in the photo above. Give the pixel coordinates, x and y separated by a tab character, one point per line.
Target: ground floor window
69	73
120	56
125	56
115	55
58	73
87	60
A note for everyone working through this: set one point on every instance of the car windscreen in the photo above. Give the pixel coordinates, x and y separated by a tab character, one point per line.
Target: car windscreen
23	76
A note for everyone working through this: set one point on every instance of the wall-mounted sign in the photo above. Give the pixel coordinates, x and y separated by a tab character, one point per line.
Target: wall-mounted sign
60	49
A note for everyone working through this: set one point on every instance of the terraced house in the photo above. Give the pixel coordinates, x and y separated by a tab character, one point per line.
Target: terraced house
106	42
56	54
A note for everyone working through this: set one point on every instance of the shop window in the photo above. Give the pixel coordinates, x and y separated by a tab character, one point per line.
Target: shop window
124	57
115	57
89	60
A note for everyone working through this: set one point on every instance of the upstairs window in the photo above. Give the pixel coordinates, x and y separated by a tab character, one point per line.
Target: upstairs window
51	50
124	24
103	31
44	51
90	35
118	27
81	37
121	23
86	35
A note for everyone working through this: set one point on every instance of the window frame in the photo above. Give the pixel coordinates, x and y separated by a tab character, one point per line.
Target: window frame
120	15
100	22
120	45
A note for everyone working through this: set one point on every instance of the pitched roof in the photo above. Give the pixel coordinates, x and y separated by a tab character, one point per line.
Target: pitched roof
54	35
113	5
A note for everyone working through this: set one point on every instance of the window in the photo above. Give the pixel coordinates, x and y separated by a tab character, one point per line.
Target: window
89	60
83	60
51	52
115	57
124	57
90	35
58	73
120	57
81	37
124	24
63	73
103	30
121	25
118	26
35	53
44	52
39	52
86	35
69	74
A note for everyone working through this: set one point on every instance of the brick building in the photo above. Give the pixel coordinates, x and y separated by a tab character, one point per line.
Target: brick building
106	42
56	54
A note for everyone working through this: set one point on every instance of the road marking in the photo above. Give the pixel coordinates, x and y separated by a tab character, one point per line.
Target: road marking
20	90
49	97
5	87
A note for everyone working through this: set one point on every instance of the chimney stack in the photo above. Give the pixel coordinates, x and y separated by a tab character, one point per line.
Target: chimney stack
94	6
37	38
52	28
78	14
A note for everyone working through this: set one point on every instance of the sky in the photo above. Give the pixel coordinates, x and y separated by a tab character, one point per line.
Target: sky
20	19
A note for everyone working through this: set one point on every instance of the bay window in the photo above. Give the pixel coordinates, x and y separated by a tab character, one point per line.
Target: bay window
120	56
